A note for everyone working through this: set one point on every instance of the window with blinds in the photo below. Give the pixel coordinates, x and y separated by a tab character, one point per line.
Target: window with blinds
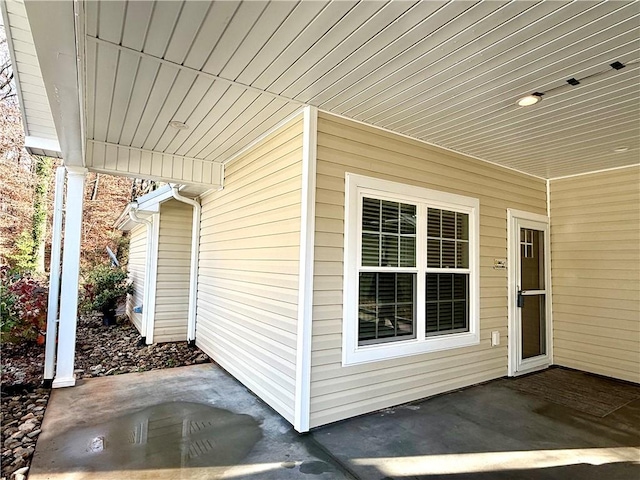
411	270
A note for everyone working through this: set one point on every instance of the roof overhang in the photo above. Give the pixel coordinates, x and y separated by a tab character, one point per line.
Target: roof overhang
172	90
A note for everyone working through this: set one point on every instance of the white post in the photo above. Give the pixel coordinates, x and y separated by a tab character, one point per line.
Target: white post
70	276
54	277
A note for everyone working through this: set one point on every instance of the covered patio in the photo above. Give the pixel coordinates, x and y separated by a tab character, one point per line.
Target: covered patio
391	201
198	422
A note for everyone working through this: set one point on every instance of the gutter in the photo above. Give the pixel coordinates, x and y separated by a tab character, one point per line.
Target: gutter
195	250
146	311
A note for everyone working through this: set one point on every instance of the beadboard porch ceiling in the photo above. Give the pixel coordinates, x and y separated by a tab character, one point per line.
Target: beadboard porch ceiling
448	73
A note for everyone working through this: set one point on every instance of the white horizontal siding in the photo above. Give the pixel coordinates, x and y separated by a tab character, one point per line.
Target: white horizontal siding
172	284
339	392
248	270
595	244
137	272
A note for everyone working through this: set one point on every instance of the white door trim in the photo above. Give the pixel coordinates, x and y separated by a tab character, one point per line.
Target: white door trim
514	217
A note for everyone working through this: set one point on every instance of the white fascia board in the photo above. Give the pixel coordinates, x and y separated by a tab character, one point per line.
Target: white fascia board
58	59
12	55
46	144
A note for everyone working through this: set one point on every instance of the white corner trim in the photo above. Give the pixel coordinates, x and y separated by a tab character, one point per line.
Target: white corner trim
305	275
152	276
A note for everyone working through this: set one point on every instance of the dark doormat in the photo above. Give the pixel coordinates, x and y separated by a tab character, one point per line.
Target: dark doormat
578	390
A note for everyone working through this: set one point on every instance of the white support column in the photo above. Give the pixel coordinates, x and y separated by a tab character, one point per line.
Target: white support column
70	276
54	277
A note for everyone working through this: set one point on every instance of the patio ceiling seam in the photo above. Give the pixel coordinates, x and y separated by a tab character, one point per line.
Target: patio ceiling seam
195	71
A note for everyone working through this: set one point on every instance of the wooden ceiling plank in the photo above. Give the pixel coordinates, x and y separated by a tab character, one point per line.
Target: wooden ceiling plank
111	20
519	74
157	97
147	72
185	138
590	103
306	36
251	111
136	23
127	69
213	26
106	71
401	48
174	99
454	120
238	28
242	130
299	19
189	24
442	49
229	107
472	103
269	22
163	21
191	100
601	111
353	20
460	64
259	129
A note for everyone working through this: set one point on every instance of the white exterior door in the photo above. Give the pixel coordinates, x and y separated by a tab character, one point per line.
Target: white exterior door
529	293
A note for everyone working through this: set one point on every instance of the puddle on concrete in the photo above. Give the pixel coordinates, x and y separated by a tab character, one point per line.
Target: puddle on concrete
167	436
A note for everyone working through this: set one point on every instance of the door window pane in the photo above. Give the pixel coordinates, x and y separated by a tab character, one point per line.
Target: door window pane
532	260
533	320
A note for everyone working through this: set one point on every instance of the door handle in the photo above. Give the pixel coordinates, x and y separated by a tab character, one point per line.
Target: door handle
520	299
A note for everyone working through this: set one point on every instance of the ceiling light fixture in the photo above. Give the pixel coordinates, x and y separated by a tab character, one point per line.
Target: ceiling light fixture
529	100
178	125
621	149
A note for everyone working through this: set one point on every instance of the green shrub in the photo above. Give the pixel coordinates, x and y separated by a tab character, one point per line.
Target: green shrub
105	287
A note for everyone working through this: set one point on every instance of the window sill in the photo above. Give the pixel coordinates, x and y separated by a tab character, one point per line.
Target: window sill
356	355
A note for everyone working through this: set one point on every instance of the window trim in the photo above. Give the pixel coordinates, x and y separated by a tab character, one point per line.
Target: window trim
356	186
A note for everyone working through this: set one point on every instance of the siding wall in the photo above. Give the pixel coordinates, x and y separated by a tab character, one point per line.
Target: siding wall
595	244
174	260
248	275
343	146
137	273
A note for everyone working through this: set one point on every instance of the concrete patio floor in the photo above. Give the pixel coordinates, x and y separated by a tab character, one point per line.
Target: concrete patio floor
198	422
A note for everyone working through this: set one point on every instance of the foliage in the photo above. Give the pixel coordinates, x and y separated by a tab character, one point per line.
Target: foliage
102	207
23	305
44	166
104	288
23	260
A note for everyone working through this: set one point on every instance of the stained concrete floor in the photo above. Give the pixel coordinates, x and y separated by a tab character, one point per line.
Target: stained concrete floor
193	422
198	422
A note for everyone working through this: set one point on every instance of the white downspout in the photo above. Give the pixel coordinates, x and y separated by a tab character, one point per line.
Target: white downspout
195	244
146	313
54	278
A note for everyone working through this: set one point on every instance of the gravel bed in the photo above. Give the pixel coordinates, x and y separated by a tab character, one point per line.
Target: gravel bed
100	351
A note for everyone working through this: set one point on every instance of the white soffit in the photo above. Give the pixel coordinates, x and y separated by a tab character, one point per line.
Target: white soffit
448	73
39	128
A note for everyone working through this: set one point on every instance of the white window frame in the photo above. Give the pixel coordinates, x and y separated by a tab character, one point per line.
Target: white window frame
357	186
